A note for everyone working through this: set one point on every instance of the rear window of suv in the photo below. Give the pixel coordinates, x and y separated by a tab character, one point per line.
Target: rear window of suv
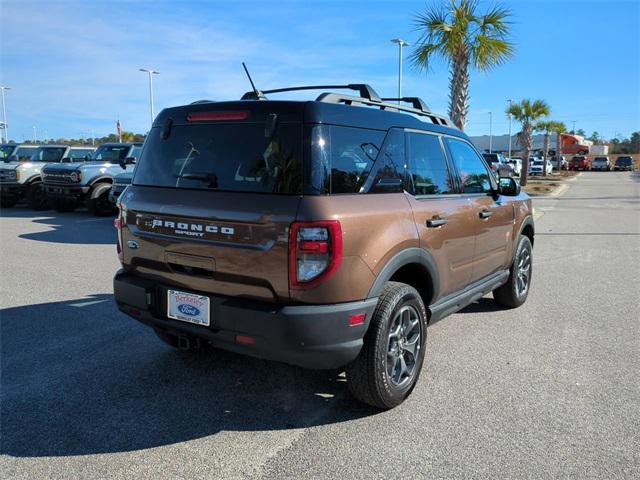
228	157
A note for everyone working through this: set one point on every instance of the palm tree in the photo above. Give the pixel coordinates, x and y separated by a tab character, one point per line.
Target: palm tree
460	35
548	127
527	112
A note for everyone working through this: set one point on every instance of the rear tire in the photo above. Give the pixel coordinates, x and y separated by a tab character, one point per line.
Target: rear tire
37	197
388	366
101	206
515	292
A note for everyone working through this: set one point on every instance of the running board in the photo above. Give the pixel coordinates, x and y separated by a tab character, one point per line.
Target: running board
457	301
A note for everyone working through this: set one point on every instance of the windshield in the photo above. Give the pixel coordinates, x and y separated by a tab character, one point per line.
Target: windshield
231	157
111	153
48	154
600	159
624	161
5	151
24	153
80	153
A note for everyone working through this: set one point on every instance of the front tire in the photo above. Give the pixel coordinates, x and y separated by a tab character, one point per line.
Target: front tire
388	366
514	293
37	197
101	206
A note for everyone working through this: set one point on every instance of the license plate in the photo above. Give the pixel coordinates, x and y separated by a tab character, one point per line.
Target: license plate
188	307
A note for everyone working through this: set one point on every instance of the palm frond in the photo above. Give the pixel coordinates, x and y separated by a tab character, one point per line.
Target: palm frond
488	52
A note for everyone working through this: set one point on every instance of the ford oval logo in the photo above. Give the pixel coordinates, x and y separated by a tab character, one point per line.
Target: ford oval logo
189	310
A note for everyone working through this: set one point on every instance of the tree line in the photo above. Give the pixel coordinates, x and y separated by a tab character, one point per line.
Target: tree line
111	138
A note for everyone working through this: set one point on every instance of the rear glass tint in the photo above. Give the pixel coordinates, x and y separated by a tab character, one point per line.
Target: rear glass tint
111	153
230	157
342	158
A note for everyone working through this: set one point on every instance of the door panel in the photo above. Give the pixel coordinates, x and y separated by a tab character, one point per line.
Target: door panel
451	244
492	219
443	217
493	235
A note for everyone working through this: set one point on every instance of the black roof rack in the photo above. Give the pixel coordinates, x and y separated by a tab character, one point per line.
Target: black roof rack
368	96
417	102
365	91
423	111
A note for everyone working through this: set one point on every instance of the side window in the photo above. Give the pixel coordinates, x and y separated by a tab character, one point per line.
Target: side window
473	173
342	157
390	164
428	171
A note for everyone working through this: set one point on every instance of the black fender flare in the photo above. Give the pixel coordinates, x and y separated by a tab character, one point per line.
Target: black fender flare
415	255
33	179
98	188
528	221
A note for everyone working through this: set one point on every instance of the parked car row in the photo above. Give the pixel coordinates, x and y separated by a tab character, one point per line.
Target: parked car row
602	163
64	177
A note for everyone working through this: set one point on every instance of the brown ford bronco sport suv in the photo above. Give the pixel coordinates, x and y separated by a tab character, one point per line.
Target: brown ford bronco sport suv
323	233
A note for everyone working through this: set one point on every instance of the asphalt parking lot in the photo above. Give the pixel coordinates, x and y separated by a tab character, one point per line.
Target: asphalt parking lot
549	390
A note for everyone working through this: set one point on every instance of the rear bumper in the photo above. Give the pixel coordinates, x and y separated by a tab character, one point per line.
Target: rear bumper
13	189
310	336
66	192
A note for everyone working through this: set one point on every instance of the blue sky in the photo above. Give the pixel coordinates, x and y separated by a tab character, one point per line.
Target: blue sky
73	66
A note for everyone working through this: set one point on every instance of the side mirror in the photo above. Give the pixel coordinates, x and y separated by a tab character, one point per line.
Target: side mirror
508	187
87	158
66	160
388	185
127	161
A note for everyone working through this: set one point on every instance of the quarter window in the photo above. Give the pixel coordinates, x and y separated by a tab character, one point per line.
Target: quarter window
428	171
473	173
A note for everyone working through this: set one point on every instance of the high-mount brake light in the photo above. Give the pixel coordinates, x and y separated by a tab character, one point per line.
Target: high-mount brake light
315	252
217	116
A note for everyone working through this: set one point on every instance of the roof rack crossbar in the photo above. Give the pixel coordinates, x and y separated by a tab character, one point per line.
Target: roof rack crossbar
417	102
350	100
365	91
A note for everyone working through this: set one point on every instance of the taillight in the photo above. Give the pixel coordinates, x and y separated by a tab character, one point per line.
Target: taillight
119	223
315	252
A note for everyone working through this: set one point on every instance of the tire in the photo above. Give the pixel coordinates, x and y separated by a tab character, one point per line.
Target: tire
512	294
101	206
193	344
64	205
8	202
368	376
37	197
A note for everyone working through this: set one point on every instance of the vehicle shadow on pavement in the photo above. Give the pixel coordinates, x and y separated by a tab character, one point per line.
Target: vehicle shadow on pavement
483	305
79	378
70	228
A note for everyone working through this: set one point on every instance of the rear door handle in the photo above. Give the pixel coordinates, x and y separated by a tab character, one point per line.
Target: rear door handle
485	213
436	222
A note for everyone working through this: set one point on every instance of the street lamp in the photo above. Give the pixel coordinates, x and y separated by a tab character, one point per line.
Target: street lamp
151	73
4	116
401	43
510	116
490	132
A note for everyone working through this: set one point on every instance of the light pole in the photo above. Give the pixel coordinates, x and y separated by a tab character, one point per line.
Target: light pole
151	73
4	116
35	134
490	132
510	116
574	127
401	43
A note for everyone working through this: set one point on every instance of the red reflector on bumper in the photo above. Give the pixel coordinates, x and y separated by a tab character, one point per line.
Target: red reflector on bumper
245	339
357	319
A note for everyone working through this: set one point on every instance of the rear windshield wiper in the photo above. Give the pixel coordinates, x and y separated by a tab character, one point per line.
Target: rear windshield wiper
212	178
